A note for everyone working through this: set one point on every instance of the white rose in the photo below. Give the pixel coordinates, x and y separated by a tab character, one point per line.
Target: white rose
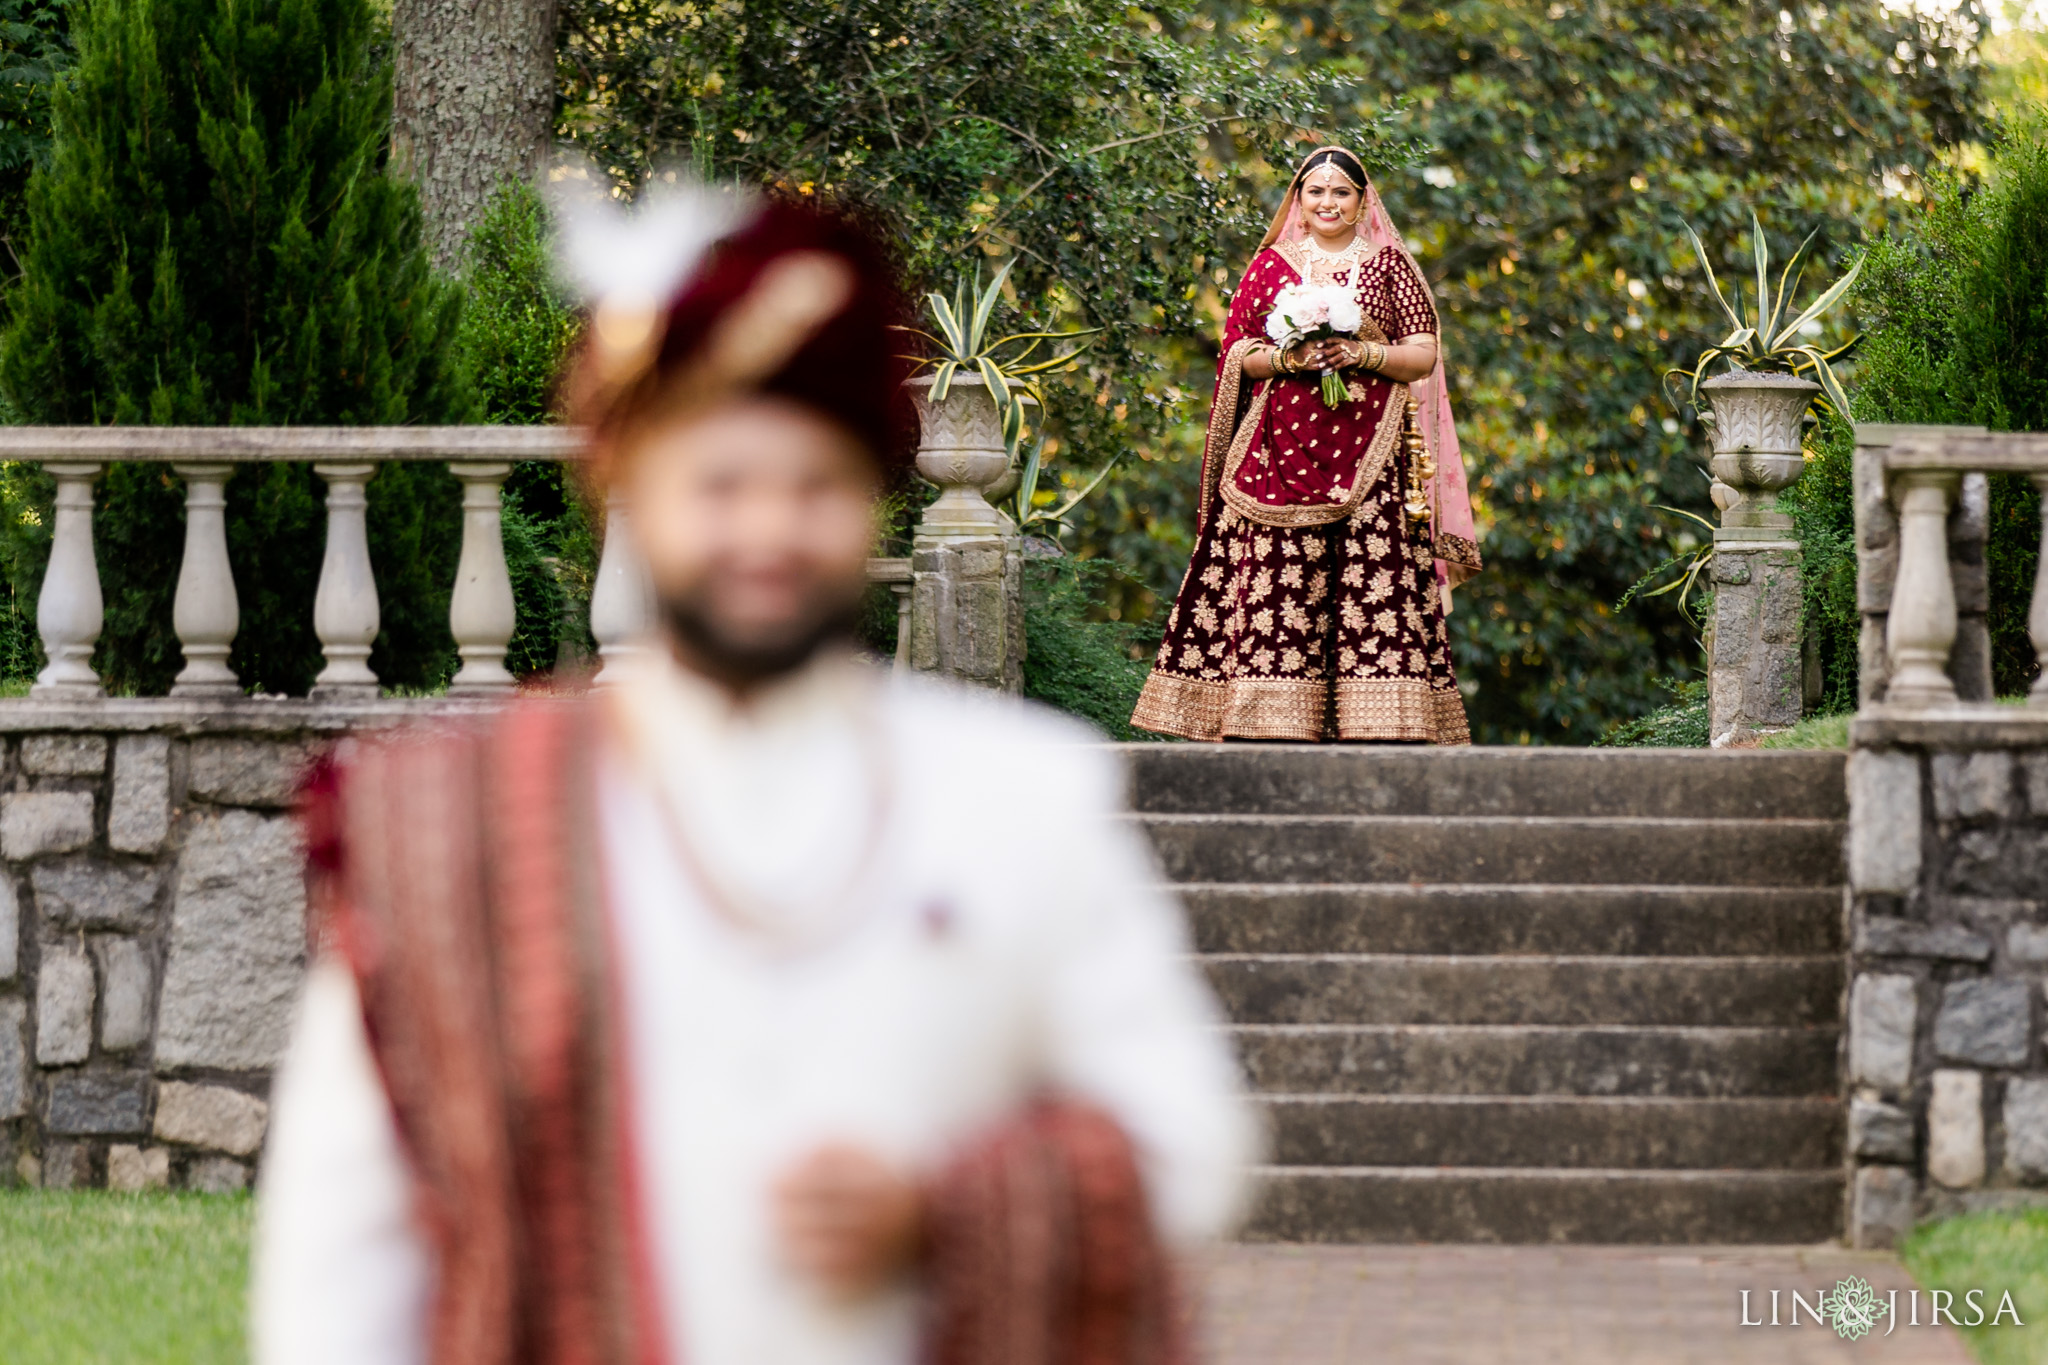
1276	326
1345	314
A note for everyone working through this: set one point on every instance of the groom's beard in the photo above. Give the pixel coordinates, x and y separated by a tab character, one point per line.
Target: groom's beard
743	660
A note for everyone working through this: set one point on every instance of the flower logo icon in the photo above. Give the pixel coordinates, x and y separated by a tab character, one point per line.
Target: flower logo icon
1854	1308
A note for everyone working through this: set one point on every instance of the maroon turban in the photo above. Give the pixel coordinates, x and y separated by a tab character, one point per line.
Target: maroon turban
797	303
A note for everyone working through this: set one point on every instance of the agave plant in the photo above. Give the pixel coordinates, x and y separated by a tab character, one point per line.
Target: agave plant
1768	342
1032	519
962	342
1693	567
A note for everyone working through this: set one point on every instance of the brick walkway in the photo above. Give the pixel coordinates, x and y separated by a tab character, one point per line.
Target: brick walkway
1467	1305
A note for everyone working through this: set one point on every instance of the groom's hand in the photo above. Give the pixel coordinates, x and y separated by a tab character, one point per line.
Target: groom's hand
847	1219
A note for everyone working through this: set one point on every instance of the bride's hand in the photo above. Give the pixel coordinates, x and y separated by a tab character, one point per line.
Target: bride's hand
1333	353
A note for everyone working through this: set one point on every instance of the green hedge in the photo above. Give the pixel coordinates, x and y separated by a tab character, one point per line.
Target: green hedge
1956	311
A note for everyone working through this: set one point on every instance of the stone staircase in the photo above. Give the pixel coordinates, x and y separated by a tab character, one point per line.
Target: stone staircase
1523	995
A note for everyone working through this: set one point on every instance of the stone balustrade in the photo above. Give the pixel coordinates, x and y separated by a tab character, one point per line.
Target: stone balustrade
1924	470
205	611
1945	1065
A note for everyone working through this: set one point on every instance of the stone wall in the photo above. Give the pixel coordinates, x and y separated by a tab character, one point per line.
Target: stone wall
1948	904
152	931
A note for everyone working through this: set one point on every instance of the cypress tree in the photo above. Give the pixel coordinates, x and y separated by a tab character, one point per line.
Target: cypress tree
215	240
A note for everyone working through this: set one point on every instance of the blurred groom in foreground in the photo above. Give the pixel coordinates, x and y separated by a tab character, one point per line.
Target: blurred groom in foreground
764	1009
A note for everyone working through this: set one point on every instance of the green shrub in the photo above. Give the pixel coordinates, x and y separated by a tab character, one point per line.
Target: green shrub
1822	505
1956	310
1680	723
247	262
518	326
1090	668
518	322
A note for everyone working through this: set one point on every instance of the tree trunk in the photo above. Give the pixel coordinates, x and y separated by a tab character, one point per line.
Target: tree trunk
473	104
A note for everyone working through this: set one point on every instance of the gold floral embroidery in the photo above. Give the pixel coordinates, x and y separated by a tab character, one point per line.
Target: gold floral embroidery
1457	550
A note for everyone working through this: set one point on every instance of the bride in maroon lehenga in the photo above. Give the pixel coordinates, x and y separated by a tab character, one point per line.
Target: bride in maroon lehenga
1314	605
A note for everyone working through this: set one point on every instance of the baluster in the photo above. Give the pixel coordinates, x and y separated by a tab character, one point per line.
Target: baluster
901	591
206	612
622	600
70	609
2037	614
345	607
1922	628
481	614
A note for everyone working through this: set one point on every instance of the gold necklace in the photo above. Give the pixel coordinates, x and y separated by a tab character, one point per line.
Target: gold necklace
752	914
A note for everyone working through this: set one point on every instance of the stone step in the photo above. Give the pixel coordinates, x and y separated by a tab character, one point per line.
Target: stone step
1743	992
1313	779
1494	1130
1525	1059
1305	848
1521	1205
1644	921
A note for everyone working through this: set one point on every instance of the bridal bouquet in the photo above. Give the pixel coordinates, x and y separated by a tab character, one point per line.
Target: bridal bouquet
1312	312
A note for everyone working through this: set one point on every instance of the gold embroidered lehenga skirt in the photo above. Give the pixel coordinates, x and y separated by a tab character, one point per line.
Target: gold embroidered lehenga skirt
1311	607
1307	633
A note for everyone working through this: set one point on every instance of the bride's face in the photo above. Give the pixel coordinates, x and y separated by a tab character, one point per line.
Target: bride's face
1330	204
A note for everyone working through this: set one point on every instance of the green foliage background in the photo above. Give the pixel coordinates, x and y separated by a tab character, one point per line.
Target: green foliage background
1956	300
1573	142
213	241
1542	158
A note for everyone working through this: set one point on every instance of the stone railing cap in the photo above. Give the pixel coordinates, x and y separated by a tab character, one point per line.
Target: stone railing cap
204	445
1997	452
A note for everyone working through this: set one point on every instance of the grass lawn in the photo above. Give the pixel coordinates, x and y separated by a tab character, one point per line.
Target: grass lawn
92	1277
1815	732
1993	1252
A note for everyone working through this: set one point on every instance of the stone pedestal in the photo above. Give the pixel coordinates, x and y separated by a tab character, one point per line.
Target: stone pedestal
967	610
1756	677
966	561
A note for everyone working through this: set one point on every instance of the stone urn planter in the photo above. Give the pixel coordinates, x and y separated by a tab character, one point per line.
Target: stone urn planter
960	449
1758	420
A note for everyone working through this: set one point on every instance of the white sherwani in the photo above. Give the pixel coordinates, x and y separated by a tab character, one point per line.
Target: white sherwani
795	974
